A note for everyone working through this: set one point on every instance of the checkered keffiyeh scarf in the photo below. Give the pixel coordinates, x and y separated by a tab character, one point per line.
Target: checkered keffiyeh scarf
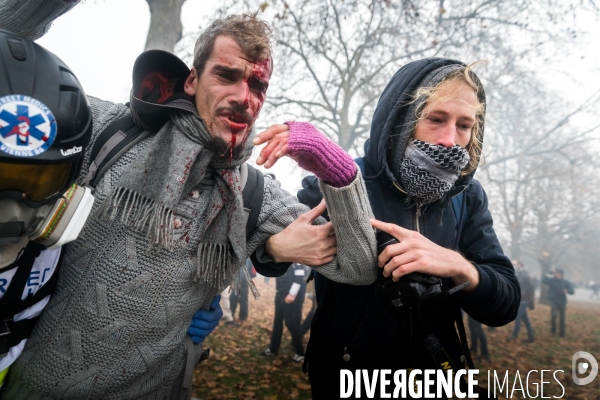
429	171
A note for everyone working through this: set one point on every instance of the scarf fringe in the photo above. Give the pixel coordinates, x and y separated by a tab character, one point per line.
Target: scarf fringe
141	213
251	284
215	265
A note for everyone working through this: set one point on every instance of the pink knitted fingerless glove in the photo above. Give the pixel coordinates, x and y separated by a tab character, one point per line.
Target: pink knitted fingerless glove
316	153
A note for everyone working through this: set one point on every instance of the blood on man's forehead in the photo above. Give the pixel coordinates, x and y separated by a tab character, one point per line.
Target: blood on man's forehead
262	69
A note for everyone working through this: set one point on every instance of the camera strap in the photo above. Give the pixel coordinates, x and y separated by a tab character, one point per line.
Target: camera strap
459	207
463	339
440	357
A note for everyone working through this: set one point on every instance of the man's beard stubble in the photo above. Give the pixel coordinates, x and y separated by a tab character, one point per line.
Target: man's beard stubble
223	148
220	146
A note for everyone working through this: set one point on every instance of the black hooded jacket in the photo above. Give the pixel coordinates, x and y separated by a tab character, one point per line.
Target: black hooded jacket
352	328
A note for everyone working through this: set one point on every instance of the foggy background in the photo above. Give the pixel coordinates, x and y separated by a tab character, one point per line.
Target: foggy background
333	58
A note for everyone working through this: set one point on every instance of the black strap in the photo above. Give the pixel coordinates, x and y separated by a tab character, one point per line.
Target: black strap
122	124
253	197
460	212
459	205
441	358
117	138
10	304
463	339
19	330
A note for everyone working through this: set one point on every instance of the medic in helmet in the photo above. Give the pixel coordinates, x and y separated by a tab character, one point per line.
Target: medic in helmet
42	207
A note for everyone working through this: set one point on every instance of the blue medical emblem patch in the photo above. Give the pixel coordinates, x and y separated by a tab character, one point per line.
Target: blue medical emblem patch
27	126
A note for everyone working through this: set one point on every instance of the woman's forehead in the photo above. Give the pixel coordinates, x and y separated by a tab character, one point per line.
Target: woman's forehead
453	91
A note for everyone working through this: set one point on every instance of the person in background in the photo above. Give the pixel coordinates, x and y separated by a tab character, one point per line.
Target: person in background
226	306
595	288
291	289
558	288
527	301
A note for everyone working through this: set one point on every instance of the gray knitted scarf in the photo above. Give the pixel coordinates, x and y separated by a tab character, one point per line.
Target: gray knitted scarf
429	171
167	170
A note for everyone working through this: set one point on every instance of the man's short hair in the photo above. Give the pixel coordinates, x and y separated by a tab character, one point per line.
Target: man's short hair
250	33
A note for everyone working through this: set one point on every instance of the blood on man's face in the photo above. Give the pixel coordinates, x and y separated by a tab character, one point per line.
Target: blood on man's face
230	92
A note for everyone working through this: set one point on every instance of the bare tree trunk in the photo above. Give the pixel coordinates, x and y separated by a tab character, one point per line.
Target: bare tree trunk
544	255
516	234
165	24
546	266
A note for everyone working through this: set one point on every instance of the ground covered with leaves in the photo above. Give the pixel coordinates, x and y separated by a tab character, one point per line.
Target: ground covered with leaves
236	371
548	352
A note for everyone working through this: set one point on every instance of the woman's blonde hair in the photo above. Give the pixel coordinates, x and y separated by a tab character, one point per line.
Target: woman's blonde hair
463	75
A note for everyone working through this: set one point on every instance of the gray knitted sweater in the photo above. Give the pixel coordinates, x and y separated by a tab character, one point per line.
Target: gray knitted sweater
116	325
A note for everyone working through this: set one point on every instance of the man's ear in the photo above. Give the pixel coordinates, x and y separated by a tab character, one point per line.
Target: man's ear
189	87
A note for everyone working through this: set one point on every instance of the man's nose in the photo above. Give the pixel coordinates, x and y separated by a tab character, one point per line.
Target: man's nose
240	94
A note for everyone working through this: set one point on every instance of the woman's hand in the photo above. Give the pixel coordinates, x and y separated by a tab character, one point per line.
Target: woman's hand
416	253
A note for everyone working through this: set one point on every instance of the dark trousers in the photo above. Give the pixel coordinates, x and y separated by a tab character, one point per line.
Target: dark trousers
558	311
308	320
291	314
241	299
522	316
478	336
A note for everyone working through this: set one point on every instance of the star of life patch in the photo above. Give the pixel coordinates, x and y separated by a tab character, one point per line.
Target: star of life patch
27	126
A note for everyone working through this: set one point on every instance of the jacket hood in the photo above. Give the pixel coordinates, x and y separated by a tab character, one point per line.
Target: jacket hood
391	115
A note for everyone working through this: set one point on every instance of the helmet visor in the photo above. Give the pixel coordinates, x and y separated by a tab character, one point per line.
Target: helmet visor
38	182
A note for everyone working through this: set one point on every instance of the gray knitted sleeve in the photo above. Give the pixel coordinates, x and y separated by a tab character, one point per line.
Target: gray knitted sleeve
349	211
32	18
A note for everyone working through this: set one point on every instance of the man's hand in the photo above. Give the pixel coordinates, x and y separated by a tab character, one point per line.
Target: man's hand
289	299
204	322
304	243
416	253
277	137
